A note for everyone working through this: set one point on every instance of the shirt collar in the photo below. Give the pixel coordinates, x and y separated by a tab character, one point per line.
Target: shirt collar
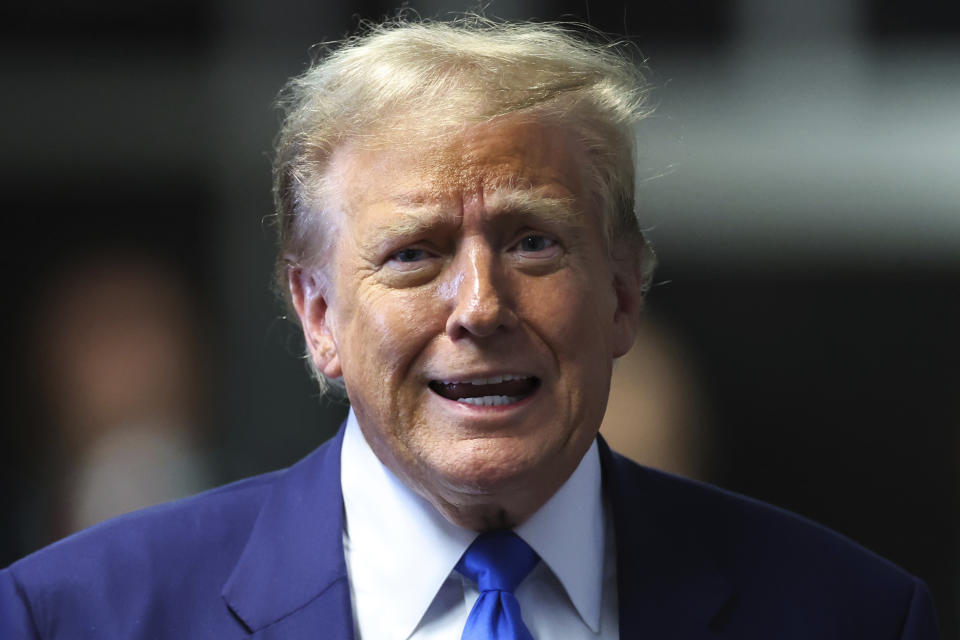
401	550
568	533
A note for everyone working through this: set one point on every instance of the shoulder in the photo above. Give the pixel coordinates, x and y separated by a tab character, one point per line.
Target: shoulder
214	517
162	571
783	568
171	552
113	576
737	527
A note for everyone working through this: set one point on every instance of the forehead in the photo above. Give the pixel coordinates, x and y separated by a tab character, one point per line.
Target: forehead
473	162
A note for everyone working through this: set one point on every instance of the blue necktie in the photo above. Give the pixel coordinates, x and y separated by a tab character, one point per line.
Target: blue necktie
498	562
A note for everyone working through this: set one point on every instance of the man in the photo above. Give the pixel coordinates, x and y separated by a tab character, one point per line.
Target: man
459	244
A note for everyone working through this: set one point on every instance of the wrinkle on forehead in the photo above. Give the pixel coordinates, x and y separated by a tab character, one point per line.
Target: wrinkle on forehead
394	193
476	160
507	156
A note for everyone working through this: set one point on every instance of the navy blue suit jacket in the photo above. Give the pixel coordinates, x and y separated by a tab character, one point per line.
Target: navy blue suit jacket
263	558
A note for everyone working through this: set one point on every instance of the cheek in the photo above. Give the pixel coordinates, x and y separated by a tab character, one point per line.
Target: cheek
572	314
387	331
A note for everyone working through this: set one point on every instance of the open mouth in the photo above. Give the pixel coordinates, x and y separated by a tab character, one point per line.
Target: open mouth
487	392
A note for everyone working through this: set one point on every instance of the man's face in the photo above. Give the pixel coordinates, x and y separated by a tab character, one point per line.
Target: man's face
473	311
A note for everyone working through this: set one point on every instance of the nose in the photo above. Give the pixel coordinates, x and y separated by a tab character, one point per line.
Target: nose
480	302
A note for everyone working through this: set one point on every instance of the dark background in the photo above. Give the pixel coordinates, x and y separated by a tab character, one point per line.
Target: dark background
803	195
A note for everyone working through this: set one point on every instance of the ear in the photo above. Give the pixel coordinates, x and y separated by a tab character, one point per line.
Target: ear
628	288
311	305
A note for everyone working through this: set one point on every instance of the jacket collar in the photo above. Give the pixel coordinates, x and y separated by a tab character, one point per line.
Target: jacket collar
291	579
669	583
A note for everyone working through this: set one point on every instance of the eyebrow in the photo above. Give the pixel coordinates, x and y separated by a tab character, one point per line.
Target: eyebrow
533	203
410	221
416	216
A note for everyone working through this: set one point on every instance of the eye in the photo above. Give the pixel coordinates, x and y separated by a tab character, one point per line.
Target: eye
534	243
409	255
412	260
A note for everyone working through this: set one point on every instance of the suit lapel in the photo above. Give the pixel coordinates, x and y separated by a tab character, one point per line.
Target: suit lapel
668	581
291	579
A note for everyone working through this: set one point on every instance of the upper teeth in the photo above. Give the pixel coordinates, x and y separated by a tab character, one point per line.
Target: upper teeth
489	401
493	380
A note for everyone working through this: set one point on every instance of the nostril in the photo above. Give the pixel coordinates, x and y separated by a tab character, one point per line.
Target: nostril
479	318
485	312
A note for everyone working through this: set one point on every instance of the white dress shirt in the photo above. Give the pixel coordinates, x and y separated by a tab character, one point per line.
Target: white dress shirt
401	556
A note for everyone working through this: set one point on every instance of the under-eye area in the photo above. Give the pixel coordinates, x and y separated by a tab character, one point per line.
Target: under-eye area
487	392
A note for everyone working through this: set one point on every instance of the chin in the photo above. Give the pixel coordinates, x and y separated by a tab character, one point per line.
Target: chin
493	466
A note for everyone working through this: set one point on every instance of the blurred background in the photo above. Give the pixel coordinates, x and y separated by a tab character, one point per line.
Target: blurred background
801	182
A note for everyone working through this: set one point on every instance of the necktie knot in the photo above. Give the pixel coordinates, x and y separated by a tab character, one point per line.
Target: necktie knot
498	561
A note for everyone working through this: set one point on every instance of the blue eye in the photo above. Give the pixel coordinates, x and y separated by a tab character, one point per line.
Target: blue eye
535	243
409	255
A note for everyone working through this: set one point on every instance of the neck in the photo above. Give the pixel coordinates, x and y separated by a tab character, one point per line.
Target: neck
505	506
